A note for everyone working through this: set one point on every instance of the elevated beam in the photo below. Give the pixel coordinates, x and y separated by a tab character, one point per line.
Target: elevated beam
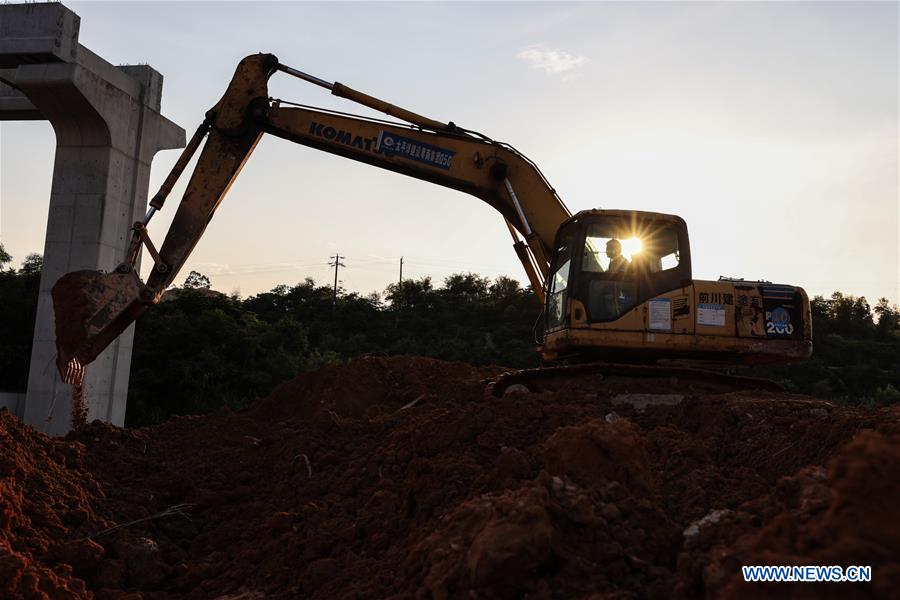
14	105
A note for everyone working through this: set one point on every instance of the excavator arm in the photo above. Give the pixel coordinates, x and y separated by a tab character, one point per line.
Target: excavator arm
92	308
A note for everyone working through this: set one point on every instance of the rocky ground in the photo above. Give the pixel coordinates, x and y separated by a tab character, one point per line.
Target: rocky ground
402	477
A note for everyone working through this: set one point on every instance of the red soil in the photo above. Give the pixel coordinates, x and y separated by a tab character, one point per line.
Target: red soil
331	489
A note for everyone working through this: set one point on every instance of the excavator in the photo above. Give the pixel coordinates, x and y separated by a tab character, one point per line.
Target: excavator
615	285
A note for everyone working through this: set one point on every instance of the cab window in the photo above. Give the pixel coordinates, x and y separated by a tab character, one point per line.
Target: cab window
660	251
617	249
619	258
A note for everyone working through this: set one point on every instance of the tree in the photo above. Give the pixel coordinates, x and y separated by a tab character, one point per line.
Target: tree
199	352
888	318
32	264
4	256
412	294
196	280
465	287
505	291
19	298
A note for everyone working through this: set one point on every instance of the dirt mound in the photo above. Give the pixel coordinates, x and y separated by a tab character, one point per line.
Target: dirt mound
400	477
373	383
844	515
46	509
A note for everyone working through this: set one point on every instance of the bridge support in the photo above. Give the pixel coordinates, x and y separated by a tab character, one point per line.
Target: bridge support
108	128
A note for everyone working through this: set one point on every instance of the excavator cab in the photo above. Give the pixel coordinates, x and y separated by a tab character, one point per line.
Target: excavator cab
620	288
615	260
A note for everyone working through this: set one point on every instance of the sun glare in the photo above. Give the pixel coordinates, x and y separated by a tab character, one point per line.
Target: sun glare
631	246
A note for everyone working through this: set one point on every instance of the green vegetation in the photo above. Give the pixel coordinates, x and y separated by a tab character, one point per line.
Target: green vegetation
856	353
4	257
18	297
201	350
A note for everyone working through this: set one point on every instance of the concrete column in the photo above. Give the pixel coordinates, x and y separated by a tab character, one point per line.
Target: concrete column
108	128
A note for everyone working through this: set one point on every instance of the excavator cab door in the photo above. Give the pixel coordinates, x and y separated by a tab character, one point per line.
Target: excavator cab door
557	296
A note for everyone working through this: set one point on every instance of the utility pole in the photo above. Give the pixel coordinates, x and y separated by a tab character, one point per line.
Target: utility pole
399	296
336	264
400	285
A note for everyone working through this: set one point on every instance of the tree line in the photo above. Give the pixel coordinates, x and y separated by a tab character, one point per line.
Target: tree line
856	353
200	349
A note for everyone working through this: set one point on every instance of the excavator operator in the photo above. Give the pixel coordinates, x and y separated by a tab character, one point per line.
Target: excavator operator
617	262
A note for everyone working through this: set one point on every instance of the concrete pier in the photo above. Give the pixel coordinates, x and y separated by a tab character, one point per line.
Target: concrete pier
108	128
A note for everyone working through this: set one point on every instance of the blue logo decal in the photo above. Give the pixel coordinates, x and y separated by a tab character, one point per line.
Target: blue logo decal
391	144
779	321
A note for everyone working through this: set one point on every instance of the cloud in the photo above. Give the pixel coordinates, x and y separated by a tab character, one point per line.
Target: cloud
212	268
551	60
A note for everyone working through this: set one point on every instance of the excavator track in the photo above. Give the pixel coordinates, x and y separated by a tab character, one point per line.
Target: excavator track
615	377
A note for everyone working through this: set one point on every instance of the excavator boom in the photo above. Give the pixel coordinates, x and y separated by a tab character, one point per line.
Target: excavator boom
92	309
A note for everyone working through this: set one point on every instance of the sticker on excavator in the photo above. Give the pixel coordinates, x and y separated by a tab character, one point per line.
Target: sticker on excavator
711	315
680	308
660	315
391	144
778	322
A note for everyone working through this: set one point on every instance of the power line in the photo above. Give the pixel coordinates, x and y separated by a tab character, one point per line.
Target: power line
231	270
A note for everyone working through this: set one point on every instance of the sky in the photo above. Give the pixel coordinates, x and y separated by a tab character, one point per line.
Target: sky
771	128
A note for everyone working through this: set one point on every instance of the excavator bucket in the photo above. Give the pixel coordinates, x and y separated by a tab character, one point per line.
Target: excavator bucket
91	310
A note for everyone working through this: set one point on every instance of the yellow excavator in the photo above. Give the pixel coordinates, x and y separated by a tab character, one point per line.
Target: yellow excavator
616	285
